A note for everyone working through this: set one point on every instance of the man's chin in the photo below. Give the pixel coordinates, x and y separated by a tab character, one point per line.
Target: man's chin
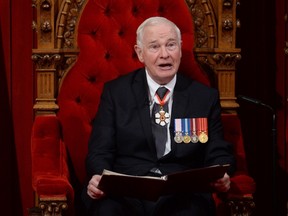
166	78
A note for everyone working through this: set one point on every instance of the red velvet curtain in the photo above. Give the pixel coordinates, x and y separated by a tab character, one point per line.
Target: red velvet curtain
16	113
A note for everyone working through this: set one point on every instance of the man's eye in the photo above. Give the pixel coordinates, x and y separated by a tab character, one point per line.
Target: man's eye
154	47
171	46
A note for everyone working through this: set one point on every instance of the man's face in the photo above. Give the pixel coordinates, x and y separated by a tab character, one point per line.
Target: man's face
161	52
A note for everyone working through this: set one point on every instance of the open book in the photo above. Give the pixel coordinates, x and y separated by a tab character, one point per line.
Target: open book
151	188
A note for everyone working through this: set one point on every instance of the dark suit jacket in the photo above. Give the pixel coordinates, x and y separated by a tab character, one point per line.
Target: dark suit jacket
121	139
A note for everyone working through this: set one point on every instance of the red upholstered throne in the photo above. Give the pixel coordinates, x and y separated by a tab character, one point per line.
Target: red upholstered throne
81	45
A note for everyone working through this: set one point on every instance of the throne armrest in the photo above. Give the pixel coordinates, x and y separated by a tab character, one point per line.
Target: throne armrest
50	174
239	199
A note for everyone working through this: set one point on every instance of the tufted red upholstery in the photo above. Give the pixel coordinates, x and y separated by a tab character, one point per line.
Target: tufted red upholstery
49	159
106	36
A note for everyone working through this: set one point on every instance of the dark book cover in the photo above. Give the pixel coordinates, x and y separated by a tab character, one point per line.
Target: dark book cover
151	188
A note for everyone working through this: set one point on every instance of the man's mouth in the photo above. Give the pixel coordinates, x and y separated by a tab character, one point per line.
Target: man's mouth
165	66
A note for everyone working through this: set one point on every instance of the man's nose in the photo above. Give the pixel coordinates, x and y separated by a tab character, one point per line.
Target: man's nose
164	52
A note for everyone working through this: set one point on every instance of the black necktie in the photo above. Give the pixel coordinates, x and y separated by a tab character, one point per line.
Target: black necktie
159	131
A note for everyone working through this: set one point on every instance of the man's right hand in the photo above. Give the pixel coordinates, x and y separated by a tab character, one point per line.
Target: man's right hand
92	189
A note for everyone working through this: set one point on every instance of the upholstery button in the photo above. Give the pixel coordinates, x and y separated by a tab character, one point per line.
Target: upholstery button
135	10
93	32
107	55
78	99
121	32
107	11
161	9
92	79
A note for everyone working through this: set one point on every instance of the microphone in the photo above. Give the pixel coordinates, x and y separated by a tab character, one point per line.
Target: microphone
249	99
255	101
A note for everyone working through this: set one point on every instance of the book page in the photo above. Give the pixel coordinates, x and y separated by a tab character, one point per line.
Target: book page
109	172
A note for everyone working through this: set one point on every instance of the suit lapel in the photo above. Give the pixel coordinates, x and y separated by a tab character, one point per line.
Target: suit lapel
140	89
180	99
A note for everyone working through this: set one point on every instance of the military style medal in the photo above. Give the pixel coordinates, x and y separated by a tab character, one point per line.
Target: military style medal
192	130
186	137
162	117
194	137
178	131
203	137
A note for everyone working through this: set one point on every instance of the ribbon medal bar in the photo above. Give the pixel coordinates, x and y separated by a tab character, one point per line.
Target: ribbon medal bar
191	130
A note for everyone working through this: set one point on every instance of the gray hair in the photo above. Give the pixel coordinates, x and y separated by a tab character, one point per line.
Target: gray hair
152	21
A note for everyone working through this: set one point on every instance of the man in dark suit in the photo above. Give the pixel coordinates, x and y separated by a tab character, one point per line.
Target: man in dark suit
127	127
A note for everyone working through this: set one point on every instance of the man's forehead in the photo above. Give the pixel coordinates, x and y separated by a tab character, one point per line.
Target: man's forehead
155	33
160	40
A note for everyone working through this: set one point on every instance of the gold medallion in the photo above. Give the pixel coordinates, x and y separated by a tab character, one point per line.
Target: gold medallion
186	138
203	138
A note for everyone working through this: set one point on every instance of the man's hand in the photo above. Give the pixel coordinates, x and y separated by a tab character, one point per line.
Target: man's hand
223	184
92	189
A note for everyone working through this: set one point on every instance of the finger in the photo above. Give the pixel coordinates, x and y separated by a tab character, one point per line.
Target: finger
222	187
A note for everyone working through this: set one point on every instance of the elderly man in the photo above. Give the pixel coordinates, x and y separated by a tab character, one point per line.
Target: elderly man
154	121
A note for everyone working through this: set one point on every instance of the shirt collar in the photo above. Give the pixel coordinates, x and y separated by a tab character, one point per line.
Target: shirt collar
153	86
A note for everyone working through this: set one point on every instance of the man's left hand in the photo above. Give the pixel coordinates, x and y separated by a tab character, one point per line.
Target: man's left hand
223	184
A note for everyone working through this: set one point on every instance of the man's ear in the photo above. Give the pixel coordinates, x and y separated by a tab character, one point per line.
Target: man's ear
138	51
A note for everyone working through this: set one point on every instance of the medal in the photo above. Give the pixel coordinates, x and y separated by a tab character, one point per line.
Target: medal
194	137
203	137
186	137
178	138
162	118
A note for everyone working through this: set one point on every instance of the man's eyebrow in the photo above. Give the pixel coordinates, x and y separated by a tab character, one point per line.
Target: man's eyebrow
169	40
151	42
172	39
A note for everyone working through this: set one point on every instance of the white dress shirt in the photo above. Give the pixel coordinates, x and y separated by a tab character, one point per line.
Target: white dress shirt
153	86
